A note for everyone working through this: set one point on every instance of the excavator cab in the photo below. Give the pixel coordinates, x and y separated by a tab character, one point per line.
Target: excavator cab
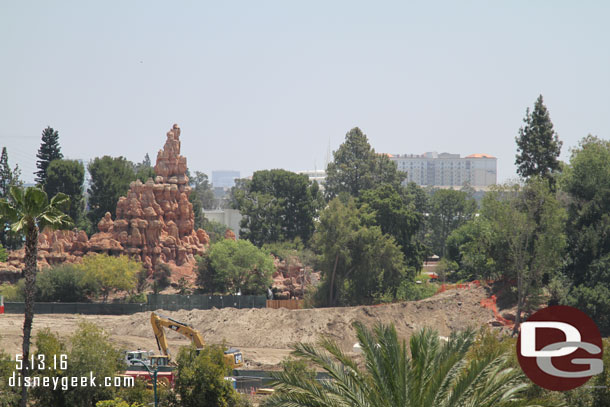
234	358
159	361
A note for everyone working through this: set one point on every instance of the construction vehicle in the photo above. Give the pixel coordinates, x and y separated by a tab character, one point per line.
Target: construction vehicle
233	357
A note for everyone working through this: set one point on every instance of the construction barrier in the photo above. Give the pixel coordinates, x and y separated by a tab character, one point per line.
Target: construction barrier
174	302
76	308
489	303
445	287
168	302
290	304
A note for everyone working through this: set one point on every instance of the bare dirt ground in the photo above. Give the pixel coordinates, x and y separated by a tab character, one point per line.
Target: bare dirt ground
265	335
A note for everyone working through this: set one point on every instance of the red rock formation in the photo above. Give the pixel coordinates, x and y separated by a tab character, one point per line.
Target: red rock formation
292	280
154	222
229	234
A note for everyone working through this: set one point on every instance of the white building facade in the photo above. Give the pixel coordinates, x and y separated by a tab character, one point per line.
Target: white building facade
448	170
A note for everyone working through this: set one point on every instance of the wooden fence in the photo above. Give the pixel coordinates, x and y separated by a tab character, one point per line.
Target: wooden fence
290	304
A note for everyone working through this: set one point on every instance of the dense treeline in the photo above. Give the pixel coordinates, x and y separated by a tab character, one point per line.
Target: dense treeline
370	232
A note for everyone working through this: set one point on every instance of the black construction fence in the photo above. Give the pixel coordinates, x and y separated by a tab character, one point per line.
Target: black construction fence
168	302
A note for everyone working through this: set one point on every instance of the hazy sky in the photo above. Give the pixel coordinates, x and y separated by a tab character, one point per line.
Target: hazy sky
270	84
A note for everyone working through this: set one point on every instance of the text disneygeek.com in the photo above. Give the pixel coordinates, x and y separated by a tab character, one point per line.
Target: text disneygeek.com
64	383
39	363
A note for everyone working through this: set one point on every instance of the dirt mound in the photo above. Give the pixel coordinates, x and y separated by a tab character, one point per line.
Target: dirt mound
279	328
265	335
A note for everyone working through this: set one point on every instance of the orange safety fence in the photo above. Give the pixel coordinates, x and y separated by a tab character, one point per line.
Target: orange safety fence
490	303
445	287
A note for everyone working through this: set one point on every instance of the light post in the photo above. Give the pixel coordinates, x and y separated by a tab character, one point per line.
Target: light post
153	374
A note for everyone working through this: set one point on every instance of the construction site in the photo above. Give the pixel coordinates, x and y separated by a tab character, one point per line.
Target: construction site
265	335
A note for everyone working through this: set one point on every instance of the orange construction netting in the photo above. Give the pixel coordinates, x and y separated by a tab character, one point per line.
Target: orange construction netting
489	303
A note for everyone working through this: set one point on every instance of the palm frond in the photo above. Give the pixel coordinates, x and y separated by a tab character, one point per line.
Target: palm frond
436	375
35	201
8	213
17	194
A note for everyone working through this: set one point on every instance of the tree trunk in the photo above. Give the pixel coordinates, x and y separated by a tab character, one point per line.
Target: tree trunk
31	252
332	282
519	304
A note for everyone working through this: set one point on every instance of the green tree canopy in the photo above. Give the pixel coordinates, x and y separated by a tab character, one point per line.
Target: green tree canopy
144	170
49	150
110	273
277	205
235	266
397	217
202	189
587	181
67	176
63	283
528	226
356	167
200	378
202	197
449	209
359	263
110	179
470	246
538	145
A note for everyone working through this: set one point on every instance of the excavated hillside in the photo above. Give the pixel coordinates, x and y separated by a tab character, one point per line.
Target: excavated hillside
265	335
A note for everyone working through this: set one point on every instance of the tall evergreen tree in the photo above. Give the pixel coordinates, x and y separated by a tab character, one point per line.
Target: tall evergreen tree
356	167
8	178
49	150
5	173
538	145
146	163
144	170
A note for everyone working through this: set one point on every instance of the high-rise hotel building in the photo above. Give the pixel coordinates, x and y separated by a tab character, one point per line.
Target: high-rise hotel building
448	170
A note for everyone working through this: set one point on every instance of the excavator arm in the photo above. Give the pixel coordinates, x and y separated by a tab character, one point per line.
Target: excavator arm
159	322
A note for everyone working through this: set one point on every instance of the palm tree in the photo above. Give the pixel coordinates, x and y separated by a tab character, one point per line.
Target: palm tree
436	374
28	212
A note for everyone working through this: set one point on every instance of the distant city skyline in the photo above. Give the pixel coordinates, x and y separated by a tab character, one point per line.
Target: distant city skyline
278	84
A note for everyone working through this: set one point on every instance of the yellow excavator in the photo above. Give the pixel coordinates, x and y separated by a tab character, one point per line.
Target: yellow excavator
233	357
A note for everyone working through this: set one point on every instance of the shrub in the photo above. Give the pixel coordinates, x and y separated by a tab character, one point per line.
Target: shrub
12	292
9	395
63	283
117	402
235	266
109	273
161	276
409	291
200	378
88	351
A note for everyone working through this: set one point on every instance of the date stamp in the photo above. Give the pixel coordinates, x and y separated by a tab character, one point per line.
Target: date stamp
41	363
39	370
